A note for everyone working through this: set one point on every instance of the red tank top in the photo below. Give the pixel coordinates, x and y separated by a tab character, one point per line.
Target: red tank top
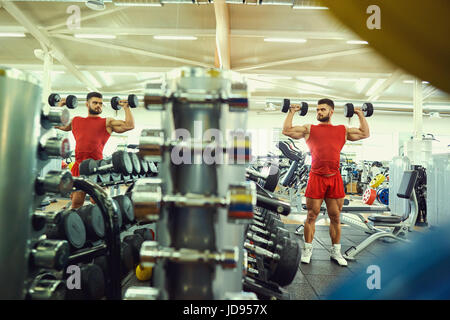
325	143
90	136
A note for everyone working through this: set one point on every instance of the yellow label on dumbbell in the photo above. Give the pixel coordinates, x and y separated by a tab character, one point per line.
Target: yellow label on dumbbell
377	181
241	198
143	273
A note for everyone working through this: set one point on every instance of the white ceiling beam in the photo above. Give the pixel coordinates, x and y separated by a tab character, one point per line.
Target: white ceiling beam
328	88
132	50
429	93
398	74
234	33
223	34
85	17
139	31
299	87
304	59
44	39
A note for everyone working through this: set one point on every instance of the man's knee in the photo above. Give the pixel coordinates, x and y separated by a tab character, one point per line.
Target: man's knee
78	199
312	216
334	217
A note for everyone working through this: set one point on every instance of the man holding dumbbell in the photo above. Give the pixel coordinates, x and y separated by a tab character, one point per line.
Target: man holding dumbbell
325	142
92	133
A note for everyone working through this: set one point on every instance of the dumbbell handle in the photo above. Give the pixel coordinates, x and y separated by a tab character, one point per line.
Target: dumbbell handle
251	270
278	206
254	237
259	230
103	169
261	251
259	223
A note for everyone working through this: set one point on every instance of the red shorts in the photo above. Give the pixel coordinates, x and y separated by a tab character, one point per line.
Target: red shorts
320	187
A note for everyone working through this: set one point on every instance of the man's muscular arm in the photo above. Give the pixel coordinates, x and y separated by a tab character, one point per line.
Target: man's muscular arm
120	126
355	134
295	132
66	127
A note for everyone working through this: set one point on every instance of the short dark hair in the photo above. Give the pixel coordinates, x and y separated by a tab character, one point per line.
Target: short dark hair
327	102
94	95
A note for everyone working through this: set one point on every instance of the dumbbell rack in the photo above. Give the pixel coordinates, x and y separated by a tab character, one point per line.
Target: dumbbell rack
28	263
193	98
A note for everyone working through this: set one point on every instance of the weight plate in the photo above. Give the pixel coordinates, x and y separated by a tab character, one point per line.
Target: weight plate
286	104
74	230
369	196
93	282
126	258
126	207
122	162
53	99
272	180
115	103
133	101
367	108
377	181
71	101
304	109
383	196
144	166
136	163
284	270
349	110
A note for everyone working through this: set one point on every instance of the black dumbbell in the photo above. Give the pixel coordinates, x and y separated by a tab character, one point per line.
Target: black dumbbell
66	225
146	233
71	100
287	104
127	209
144	166
269	235
135	242
283	271
269	180
349	109
92	285
120	163
133	102
105	177
93	221
282	261
270	224
136	163
50	254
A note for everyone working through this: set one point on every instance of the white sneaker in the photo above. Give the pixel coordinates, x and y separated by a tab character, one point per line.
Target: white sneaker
337	256
307	253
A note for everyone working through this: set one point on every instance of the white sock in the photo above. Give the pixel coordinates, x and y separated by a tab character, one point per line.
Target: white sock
308	245
337	247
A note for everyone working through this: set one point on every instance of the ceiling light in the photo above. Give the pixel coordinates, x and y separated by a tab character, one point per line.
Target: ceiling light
94	36
12	34
296	40
300	7
97	5
174	37
357	42
412	81
138	4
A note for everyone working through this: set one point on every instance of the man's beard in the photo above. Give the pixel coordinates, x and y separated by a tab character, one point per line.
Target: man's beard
93	111
324	119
